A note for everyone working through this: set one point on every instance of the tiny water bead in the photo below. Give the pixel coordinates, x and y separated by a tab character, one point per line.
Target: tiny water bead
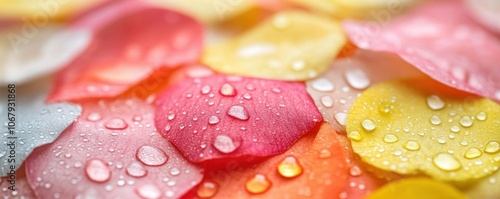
323	85
289	167
327	101
435	120
116	124
257	184
238	112
93	117
207	189
466	121
206	89
355	171
97	170
225	144
325	153
151	156
135	169
213	119
227	90
390	138
435	102
446	162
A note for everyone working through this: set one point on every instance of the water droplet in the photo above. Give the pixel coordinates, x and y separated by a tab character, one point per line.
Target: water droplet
481	116
213	119
289	167
148	191
412	145
355	171
455	129
323	85
151	156
492	147
135	169
174	171
97	170
225	144
341	118
206	89
390	138
355	135
446	162
116	124
384	108
258	184
171	115
435	120
298	65
327	101
466	121
238	112
325	153
357	78
227	90
368	125
207	189
93	117
473	153
435	103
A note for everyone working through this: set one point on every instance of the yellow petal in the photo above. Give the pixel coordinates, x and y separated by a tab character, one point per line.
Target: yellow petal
486	188
417	188
42	11
291	45
420	125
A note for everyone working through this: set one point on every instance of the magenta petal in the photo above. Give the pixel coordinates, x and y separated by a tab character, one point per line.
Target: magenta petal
127	48
227	116
441	40
112	151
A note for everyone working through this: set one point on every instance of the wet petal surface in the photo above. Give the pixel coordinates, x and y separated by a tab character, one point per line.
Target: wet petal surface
416	188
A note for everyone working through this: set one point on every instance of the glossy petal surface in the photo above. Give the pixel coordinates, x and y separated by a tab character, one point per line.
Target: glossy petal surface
416	188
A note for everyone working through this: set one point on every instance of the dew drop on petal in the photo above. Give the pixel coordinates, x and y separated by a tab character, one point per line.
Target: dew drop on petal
207	189
466	121
390	138
368	125
455	129
213	119
289	167
355	171
412	145
481	116
435	120
357	78
148	191
325	153
446	162
258	184
354	135
116	124
225	144
151	156
227	90
93	117
492	147
174	171
473	153
135	169
323	85
97	170
435	103
341	118
238	112
171	115
327	101
206	89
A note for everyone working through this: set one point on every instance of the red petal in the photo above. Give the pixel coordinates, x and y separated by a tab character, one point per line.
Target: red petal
454	50
127	49
21	186
112	151
229	116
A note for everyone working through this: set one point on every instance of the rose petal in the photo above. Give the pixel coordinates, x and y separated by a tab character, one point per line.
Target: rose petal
155	38
315	168
20	185
279	49
35	123
422	126
335	91
230	116
485	12
442	48
28	52
417	188
112	151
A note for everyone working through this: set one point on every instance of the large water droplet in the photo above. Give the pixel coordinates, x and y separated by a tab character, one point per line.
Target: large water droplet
116	124
148	191
97	170
258	184
357	78
151	156
435	103
368	125
412	145
207	189
354	135
323	85
213	119
225	144
481	116
446	162
473	153
227	90
135	169
466	121
492	147
289	167
238	112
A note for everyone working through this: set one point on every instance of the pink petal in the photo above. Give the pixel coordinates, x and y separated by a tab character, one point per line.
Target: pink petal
441	40
335	91
128	49
486	12
22	188
112	151
228	116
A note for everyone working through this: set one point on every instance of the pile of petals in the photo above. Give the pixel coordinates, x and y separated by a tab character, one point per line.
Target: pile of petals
250	99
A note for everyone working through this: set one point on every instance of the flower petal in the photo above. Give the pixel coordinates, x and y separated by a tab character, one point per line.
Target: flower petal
20	185
28	52
335	91
155	38
485	12
36	123
420	125
231	116
314	167
41	12
417	188
442	48
112	151
279	49
485	188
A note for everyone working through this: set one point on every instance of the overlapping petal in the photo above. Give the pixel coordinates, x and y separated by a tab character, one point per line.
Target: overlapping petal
416	188
112	151
454	50
230	116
